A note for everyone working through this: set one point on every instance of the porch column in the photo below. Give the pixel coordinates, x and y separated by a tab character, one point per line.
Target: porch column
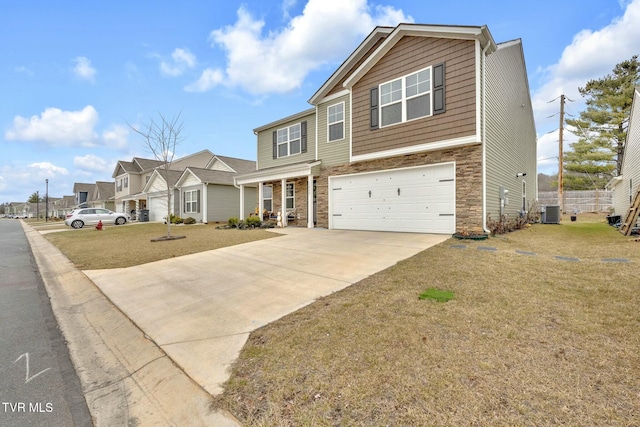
260	200
241	202
205	217
283	204
310	201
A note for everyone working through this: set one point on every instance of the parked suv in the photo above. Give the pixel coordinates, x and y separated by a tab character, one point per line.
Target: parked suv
78	218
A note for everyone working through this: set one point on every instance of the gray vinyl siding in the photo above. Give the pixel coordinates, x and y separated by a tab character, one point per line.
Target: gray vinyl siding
624	192
510	130
265	144
335	152
195	215
223	202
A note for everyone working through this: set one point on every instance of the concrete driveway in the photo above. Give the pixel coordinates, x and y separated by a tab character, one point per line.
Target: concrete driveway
201	308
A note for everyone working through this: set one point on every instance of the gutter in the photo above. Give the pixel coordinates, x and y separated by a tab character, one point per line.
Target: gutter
484	139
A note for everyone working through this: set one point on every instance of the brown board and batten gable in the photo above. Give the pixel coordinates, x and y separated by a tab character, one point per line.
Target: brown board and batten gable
411	48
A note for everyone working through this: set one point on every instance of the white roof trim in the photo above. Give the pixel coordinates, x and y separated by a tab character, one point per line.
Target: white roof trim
429	146
274	174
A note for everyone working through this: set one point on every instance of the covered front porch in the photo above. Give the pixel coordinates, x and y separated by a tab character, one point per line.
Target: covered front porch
285	193
132	205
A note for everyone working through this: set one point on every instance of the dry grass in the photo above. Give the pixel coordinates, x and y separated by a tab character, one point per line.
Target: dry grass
124	246
527	341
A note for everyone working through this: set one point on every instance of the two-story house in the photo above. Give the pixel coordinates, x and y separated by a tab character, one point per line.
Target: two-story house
130	178
424	128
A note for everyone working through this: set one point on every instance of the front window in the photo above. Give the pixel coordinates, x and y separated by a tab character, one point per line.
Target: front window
126	182
335	117
289	141
290	196
406	98
267	197
191	201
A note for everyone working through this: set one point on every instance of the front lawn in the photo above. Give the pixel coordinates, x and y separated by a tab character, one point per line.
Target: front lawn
128	245
528	339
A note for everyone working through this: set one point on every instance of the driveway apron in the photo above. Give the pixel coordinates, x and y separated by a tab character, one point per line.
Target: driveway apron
201	308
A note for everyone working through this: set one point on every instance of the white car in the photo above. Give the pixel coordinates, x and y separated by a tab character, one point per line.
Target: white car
78	218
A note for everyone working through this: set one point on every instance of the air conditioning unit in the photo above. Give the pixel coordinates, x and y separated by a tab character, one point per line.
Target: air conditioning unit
551	215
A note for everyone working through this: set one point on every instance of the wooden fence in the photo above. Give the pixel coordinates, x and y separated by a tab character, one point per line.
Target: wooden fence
580	201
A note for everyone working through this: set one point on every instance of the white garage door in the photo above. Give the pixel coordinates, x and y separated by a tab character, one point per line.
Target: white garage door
420	200
157	208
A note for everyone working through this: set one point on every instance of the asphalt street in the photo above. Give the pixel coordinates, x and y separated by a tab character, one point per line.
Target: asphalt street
38	384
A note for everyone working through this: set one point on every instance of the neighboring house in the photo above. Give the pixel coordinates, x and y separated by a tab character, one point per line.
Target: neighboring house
155	193
422	129
209	195
63	206
83	193
625	186
130	178
103	195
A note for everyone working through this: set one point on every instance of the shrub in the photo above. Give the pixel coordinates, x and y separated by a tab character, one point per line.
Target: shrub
253	222
232	222
269	224
175	219
189	220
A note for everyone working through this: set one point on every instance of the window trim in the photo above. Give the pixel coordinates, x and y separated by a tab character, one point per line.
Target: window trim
267	198
292	197
329	123
289	140
191	206
404	98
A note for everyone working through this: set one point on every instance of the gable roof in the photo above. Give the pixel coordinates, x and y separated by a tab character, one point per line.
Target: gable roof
357	55
160	173
199	160
240	166
208	176
80	187
104	190
480	34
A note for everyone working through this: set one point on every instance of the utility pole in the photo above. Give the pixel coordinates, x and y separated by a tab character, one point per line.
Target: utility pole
560	158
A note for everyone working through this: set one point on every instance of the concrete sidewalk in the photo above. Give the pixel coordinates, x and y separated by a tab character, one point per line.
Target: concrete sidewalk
200	309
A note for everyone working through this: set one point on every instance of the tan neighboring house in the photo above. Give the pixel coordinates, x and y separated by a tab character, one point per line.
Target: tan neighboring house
424	128
103	195
626	185
130	178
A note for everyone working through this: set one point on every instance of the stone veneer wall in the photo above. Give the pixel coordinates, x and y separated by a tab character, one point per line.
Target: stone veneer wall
468	162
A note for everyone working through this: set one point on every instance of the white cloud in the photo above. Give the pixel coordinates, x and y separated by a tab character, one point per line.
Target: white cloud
278	61
591	55
182	59
57	127
92	163
83	69
46	170
209	79
116	137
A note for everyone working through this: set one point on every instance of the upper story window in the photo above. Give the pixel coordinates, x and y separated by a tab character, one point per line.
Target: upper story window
126	182
290	140
406	98
335	121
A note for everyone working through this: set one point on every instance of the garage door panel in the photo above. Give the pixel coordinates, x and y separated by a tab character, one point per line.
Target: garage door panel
410	200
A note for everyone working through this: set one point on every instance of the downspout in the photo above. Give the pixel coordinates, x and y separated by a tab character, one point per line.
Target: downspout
484	138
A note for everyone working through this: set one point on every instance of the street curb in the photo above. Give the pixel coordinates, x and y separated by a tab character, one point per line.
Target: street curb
126	379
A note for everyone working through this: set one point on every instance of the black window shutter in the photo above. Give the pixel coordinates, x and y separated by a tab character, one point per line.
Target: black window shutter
303	137
275	144
373	95
198	203
438	89
184	202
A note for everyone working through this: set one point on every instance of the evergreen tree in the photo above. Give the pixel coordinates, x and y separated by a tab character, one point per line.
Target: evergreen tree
35	199
602	126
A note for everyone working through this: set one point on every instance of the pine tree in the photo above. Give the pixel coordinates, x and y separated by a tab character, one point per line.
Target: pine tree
602	126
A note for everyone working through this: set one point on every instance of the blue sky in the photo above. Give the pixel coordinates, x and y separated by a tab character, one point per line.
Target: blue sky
74	75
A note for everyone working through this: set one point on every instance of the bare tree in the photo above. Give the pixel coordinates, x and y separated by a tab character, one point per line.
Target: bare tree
161	137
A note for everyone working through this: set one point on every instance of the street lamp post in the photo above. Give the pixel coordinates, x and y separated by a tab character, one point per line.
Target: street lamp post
46	201
37	206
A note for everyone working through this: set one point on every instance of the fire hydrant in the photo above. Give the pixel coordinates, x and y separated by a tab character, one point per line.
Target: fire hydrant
99	226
